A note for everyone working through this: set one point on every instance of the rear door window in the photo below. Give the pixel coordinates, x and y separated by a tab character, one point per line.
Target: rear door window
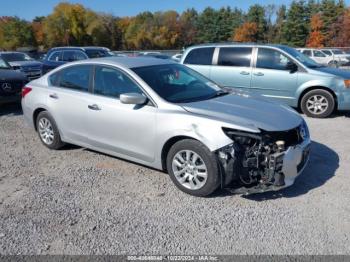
74	77
71	55
200	56
235	56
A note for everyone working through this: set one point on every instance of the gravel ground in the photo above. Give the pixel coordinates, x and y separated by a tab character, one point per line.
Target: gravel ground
76	201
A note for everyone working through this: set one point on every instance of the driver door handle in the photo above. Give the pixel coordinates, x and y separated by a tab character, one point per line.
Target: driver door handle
258	74
244	73
94	107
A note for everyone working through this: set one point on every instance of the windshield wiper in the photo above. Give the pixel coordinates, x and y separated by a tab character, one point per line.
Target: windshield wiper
317	66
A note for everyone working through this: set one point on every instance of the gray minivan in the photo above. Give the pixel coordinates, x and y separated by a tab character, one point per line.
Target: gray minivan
275	71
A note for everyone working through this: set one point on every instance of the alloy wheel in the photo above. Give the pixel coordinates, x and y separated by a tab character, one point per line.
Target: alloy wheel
189	169
317	104
46	131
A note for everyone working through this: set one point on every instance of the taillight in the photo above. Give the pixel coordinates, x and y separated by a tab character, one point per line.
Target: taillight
25	91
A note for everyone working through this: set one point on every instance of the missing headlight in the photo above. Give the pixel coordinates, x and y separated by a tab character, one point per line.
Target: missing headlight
253	159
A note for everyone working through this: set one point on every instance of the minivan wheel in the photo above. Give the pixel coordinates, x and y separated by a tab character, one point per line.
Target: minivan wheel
318	103
48	131
193	168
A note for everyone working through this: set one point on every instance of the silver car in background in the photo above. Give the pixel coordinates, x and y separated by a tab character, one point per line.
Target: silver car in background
167	116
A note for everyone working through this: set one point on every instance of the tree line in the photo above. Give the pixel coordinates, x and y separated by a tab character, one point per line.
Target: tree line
302	23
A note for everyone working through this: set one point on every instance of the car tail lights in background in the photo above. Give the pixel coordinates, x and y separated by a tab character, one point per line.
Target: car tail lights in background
25	91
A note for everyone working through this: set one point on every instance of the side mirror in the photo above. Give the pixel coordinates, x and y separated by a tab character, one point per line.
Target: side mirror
133	99
292	67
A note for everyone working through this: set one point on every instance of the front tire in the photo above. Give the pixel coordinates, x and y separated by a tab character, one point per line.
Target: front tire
48	131
318	103
193	168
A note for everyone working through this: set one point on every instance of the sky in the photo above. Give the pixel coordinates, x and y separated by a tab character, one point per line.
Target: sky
28	9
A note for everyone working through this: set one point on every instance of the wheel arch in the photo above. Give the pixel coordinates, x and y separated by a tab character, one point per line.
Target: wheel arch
168	144
308	89
35	115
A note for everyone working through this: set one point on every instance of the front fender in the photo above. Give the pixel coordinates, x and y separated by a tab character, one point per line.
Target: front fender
331	84
207	131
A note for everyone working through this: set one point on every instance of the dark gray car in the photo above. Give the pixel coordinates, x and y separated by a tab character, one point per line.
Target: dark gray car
11	83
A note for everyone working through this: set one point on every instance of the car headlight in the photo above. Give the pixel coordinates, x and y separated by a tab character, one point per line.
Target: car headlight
347	83
304	130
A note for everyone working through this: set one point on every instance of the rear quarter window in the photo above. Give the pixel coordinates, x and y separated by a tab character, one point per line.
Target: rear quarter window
200	56
54	78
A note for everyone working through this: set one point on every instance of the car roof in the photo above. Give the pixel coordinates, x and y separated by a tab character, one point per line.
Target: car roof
236	44
129	62
83	48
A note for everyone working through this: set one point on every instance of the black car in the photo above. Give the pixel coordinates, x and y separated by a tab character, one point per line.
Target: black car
11	83
60	55
23	62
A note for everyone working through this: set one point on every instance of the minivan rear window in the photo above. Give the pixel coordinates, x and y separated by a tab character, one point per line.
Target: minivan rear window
200	56
235	56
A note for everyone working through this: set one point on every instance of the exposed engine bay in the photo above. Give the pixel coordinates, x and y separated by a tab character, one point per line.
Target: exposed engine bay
253	162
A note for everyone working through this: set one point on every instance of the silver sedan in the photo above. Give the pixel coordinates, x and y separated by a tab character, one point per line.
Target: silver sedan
161	114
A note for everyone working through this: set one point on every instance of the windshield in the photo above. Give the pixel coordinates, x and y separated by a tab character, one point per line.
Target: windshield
4	64
178	84
337	52
305	60
96	53
13	57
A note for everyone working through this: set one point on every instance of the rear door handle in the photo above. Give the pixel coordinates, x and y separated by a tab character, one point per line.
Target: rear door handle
258	74
244	73
54	96
94	107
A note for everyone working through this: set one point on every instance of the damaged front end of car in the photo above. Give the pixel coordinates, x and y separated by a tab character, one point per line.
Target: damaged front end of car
265	161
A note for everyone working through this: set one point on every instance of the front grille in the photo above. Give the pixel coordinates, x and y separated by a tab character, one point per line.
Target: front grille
31	69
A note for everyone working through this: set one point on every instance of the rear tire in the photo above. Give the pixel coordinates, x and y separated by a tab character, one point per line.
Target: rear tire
193	168
317	103
48	131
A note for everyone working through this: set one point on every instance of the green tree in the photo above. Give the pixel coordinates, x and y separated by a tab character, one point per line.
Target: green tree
207	26
188	27
270	33
217	25
281	17
330	11
313	7
67	25
296	27
256	14
15	33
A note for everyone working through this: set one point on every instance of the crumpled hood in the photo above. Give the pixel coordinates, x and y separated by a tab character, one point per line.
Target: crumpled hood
26	63
247	110
334	71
